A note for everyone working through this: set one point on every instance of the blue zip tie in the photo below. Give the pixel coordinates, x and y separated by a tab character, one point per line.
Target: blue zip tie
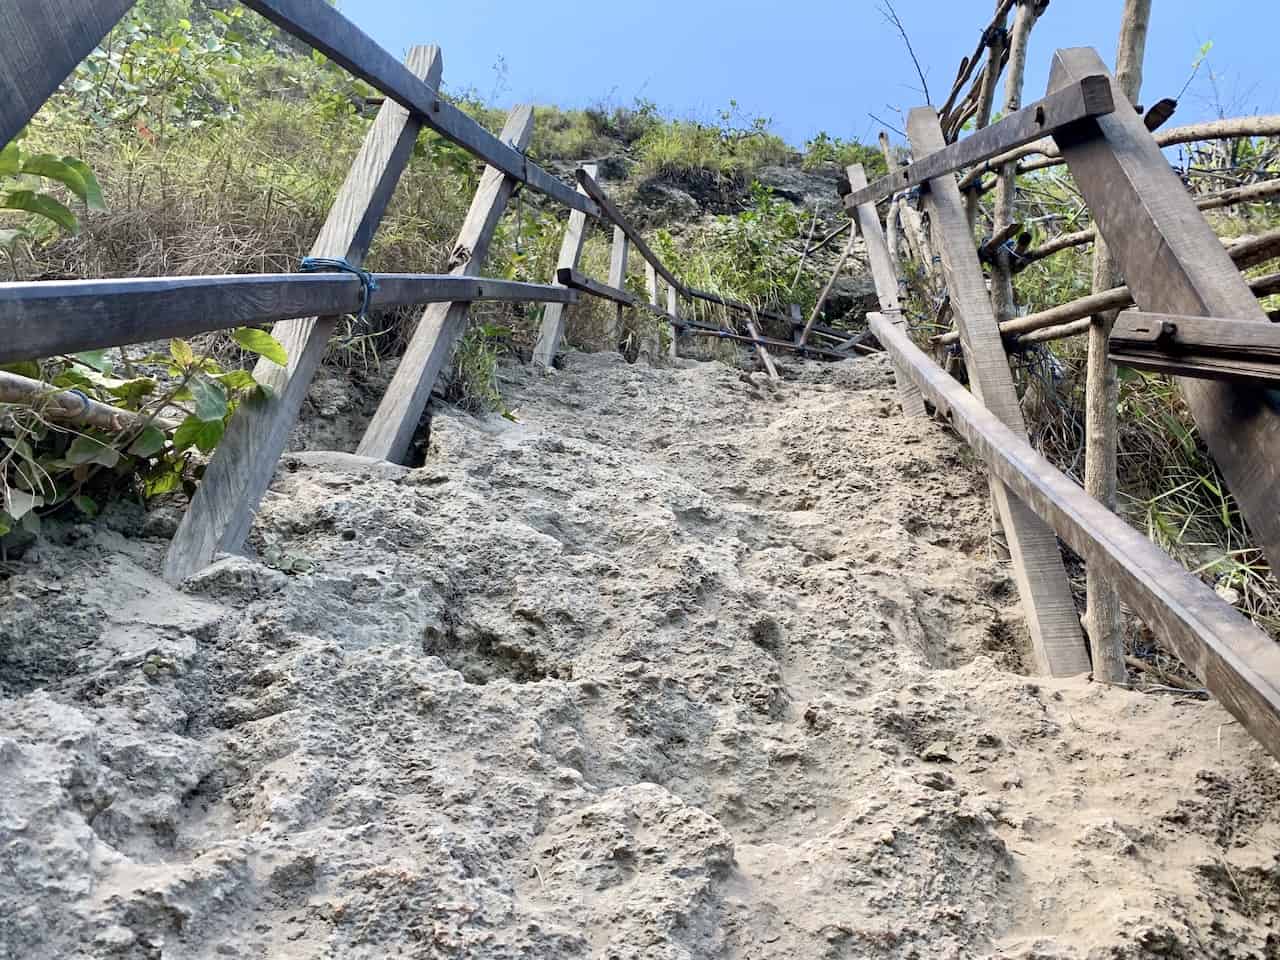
338	265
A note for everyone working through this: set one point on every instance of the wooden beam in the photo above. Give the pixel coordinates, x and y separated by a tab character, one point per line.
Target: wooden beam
1091	97
322	27
884	272
241	469
611	213
568	277
1235	660
389	435
48	318
1177	333
734	305
677	329
41	43
1202	366
553	321
762	351
1175	264
1037	563
618	257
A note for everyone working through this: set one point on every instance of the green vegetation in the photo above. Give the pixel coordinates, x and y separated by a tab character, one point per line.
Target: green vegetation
733	148
825	149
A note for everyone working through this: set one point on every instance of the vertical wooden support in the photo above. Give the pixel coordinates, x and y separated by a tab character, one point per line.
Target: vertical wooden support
650	338
222	510
1037	562
673	308
797	315
1102	386
1024	19
1174	263
41	42
553	321
390	433
618	280
884	271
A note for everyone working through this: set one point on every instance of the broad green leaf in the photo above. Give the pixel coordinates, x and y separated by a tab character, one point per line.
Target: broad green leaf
181	352
42	205
10	160
165	480
93	190
86	505
261	343
237	380
203	435
18	503
150	442
96	359
51	168
25	368
210	399
88	450
133	391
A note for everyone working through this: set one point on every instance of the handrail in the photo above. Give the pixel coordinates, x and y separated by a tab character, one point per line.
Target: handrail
43	319
328	31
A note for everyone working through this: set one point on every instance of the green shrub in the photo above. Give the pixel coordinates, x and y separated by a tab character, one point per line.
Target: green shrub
727	149
825	149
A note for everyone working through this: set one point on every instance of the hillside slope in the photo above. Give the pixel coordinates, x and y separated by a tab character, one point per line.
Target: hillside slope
680	665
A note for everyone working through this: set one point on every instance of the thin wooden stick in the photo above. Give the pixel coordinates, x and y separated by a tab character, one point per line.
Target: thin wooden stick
826	291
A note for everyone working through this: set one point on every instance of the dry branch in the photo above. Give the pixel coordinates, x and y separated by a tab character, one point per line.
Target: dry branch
71	406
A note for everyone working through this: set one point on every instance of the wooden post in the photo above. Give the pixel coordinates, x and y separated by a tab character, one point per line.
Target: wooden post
884	271
222	511
1037	563
1002	300
1102	386
553	321
41	43
673	308
390	433
646	347
1174	263
618	278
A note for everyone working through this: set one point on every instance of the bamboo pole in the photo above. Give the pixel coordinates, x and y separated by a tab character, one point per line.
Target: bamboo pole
826	291
1006	186
73	407
1102	386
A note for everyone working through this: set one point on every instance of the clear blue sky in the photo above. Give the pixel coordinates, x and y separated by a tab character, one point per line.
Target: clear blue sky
809	64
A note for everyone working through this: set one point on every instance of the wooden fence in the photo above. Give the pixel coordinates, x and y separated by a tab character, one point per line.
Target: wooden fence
1180	276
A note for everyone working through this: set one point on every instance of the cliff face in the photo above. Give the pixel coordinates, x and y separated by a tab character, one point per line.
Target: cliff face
680	665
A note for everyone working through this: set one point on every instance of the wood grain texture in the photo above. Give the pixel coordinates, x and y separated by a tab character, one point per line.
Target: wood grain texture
390	433
762	351
1195	334
1235	660
322	27
884	272
1175	264
241	469
47	318
1090	98
553	321
1037	562
673	311
41	43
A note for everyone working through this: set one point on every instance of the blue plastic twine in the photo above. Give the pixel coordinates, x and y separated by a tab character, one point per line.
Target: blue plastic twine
336	265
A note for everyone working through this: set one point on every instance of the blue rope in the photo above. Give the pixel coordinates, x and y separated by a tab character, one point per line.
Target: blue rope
336	265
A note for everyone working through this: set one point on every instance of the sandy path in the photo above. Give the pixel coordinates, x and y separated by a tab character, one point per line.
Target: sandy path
675	667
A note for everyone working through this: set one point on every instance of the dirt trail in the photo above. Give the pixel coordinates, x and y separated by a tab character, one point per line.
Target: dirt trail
677	667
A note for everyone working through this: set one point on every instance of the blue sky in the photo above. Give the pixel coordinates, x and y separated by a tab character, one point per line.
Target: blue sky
809	64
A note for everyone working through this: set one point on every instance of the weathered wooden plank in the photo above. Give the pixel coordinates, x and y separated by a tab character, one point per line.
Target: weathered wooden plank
568	277
41	42
735	305
1177	333
619	255
39	320
241	469
1175	264
1037	562
614	216
884	272
1236	661
1090	97
321	26
390	433
1201	366
553	321
677	329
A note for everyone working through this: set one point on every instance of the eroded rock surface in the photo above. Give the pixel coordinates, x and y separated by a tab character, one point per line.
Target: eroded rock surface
677	666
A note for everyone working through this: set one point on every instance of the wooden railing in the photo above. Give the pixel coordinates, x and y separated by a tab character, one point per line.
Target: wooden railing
1176	268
